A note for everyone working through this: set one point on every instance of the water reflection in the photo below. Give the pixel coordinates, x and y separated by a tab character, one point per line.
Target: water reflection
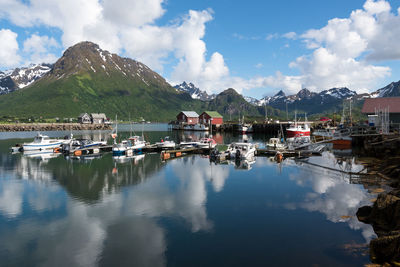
139	211
333	192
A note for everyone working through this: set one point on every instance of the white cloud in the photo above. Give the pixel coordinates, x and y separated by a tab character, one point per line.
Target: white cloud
9	48
290	35
341	56
38	46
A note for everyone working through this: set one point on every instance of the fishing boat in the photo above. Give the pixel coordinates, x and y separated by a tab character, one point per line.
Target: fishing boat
241	150
244	128
165	143
207	143
121	148
137	143
276	144
81	144
189	144
298	129
42	142
342	138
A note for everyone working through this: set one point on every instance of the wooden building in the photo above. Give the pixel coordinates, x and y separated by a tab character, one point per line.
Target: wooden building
391	104
188	117
84	118
98	118
211	117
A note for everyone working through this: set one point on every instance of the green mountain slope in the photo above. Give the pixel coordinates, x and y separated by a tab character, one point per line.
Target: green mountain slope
232	104
88	79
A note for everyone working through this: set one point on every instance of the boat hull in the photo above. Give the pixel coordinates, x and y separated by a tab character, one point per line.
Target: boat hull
31	147
297	133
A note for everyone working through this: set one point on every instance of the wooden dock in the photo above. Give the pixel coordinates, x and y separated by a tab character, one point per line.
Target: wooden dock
176	153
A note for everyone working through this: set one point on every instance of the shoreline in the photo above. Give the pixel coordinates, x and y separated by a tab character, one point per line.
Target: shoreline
30	127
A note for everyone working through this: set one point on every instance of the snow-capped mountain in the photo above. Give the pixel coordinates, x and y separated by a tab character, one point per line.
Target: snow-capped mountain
390	90
252	100
18	78
302	95
339	93
193	91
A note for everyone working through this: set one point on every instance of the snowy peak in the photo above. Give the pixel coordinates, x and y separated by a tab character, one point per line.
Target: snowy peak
304	94
339	93
25	76
252	100
193	91
391	90
280	94
18	78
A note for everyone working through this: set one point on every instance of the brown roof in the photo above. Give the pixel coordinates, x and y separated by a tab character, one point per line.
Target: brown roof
380	103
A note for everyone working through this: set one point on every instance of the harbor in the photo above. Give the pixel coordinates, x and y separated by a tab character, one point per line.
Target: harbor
192	184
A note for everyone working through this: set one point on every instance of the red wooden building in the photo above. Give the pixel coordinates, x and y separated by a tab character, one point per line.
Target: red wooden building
188	117
211	116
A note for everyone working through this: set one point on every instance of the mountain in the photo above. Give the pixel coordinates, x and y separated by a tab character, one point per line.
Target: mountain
89	79
194	92
307	101
18	78
231	104
390	90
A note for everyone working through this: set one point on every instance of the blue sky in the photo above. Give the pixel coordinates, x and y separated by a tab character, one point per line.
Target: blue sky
219	44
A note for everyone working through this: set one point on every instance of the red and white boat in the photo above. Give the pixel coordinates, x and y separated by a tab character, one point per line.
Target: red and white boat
298	129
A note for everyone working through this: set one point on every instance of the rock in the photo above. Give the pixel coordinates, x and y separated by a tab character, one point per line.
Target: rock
386	247
384	216
363	214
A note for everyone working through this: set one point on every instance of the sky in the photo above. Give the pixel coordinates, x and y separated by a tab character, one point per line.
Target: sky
257	47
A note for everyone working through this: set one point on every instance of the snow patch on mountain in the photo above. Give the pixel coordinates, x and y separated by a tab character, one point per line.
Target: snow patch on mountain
193	91
18	78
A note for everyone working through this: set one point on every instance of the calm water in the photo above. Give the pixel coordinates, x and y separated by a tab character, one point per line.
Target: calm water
185	212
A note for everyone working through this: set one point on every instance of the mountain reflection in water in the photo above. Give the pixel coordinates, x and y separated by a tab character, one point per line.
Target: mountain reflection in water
140	211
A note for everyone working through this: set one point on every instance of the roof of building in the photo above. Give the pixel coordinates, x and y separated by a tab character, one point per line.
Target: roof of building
98	116
82	114
370	104
213	114
190	114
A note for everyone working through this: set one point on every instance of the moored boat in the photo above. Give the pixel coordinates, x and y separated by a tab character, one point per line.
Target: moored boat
42	142
298	129
241	150
165	143
207	143
276	144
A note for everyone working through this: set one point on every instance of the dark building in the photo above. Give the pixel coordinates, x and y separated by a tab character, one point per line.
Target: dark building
391	104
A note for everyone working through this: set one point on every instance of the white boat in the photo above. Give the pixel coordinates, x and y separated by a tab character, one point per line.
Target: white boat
241	150
325	133
121	148
275	144
81	144
189	144
207	143
42	142
165	143
137	143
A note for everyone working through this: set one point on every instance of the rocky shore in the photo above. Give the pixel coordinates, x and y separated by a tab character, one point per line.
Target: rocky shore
384	215
18	127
